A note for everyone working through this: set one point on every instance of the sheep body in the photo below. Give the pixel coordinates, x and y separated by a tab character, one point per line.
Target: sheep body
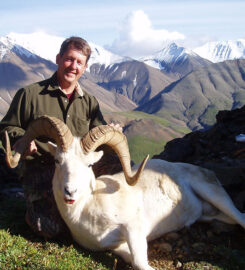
107	213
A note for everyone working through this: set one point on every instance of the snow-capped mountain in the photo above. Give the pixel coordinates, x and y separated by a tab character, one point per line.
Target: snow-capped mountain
223	50
39	43
103	57
171	53
6	47
47	47
176	59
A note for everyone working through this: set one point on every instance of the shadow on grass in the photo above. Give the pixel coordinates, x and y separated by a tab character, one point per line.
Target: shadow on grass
12	220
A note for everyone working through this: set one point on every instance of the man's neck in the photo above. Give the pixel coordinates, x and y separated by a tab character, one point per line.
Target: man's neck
68	89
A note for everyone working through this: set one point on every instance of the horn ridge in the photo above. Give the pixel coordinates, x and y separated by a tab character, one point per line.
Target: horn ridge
48	126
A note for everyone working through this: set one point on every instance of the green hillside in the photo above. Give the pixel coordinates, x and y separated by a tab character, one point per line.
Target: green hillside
146	133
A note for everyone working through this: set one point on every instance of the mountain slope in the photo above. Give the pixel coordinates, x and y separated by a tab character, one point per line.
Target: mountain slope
109	102
18	67
133	79
197	98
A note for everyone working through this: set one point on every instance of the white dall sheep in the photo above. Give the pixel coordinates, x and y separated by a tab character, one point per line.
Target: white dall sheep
118	212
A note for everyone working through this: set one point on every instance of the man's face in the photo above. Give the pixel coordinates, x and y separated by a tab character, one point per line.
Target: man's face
71	66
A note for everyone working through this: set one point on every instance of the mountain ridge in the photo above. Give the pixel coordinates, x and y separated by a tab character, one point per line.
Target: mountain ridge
196	98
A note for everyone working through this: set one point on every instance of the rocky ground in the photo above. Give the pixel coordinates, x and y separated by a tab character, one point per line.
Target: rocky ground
200	247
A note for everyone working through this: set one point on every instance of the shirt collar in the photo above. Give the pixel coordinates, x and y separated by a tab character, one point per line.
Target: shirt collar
77	88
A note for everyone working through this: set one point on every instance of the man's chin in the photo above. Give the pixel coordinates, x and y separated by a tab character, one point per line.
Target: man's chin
70	78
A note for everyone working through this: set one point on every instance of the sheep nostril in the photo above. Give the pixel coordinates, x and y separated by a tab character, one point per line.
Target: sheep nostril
69	192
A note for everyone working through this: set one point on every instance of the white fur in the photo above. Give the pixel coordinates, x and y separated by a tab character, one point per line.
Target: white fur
109	214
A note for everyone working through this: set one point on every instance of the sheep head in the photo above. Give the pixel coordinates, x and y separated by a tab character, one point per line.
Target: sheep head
73	174
55	129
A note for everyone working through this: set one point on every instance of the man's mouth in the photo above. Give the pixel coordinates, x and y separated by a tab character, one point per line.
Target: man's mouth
71	72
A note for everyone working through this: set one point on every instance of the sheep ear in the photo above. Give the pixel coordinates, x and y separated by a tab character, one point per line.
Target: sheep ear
94	157
98	156
52	148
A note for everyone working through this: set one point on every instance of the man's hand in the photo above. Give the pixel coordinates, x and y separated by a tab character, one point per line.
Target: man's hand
116	126
29	151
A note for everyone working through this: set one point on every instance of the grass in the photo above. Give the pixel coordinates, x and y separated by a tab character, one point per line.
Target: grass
141	146
161	119
19	253
208	118
21	249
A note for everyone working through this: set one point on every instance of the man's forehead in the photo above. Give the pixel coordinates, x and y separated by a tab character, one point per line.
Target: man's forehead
73	48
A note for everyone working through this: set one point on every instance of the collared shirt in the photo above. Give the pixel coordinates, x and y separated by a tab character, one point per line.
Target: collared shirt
46	98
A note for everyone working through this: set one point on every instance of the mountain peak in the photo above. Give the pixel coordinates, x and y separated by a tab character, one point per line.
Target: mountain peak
222	50
171	53
39	43
176	59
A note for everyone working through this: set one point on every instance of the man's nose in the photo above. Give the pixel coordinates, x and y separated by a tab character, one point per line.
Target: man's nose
74	64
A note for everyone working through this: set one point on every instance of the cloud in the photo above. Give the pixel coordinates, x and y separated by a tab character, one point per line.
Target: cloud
137	37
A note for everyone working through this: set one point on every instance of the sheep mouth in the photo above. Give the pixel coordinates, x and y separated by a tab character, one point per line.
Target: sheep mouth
68	201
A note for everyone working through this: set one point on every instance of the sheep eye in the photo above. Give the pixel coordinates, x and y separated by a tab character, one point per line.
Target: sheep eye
56	161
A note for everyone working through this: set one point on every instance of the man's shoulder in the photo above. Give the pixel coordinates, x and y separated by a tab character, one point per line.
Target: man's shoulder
36	86
88	96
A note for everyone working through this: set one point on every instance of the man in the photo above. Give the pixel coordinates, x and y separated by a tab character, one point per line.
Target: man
60	96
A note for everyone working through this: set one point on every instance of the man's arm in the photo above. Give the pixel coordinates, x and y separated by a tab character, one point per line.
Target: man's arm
14	122
97	118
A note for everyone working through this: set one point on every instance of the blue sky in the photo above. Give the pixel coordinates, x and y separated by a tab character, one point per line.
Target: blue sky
127	24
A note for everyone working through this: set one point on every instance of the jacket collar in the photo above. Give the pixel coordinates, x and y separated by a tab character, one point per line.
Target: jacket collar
54	85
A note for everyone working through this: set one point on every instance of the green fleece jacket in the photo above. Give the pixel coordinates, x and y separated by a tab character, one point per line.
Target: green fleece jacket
46	98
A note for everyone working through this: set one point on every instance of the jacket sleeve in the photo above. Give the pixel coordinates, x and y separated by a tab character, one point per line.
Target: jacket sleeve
16	119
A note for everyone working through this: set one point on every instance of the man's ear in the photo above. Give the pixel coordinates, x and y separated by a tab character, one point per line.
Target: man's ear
57	59
52	148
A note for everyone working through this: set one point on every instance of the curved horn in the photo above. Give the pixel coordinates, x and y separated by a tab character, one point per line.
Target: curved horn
47	126
118	142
